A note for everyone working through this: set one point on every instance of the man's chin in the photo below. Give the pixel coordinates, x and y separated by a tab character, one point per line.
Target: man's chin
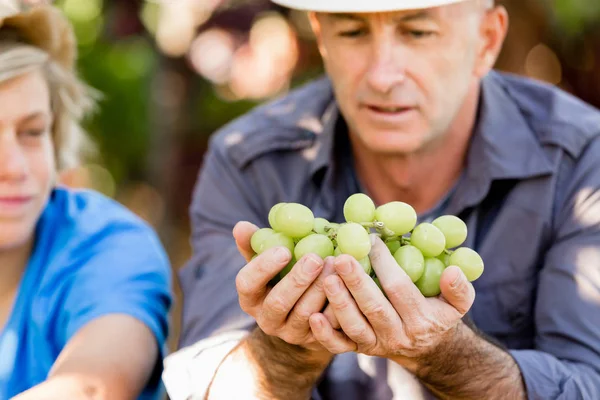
393	143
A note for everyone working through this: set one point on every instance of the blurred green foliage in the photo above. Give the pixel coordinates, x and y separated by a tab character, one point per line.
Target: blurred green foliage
574	17
122	71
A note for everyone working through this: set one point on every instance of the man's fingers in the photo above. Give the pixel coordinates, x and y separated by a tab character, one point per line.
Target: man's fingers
242	233
331	318
369	299
334	341
457	290
284	296
352	321
251	282
397	285
312	301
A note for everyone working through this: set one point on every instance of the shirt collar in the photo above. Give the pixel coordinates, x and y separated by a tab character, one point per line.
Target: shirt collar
503	147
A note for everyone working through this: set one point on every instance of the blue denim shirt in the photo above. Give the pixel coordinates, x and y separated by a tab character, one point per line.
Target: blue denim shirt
530	194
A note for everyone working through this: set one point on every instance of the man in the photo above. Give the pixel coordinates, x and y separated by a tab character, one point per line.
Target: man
411	111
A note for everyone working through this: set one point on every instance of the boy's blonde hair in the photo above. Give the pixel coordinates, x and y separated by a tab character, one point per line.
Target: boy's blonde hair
41	38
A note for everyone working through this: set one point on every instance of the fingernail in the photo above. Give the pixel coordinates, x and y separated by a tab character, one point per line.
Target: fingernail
281	255
373	239
456	280
334	288
343	267
311	265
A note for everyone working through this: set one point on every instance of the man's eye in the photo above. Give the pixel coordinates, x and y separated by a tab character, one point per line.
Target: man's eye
416	34
353	33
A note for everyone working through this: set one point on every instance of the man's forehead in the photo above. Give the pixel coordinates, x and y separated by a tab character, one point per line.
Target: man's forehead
397	16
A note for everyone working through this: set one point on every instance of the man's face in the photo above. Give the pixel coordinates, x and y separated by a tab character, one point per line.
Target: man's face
401	78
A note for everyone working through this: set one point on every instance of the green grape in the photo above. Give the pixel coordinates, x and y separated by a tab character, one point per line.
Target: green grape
316	243
397	216
445	258
366	264
354	240
334	226
359	208
294	220
411	260
287	269
393	246
429	282
469	261
429	239
278	239
257	241
320	224
272	214
337	252
453	228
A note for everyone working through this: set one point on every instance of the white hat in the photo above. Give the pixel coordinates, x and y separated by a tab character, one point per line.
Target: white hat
341	6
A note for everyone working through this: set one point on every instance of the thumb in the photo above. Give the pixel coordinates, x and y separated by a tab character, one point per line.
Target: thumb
457	290
242	232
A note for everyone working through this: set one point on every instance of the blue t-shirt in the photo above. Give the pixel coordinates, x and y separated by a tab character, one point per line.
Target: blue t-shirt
92	257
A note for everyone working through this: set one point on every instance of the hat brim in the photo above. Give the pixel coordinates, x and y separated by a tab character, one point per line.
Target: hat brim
348	6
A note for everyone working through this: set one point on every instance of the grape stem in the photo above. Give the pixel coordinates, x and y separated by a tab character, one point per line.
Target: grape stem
331	232
380	227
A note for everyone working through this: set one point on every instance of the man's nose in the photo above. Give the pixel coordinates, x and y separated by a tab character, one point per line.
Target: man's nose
387	68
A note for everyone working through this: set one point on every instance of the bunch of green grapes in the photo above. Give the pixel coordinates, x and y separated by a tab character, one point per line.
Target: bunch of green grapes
422	250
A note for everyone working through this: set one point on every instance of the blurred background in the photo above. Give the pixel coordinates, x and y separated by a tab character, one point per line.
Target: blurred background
174	71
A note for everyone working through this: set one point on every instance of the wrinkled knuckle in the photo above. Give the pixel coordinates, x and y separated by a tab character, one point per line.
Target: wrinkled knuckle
462	287
242	286
299	320
299	281
355	281
341	305
376	311
396	345
266	267
358	333
320	285
375	257
302	314
395	291
421	328
276	305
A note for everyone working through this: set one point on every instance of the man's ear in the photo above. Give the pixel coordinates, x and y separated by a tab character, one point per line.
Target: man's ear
493	30
315	24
